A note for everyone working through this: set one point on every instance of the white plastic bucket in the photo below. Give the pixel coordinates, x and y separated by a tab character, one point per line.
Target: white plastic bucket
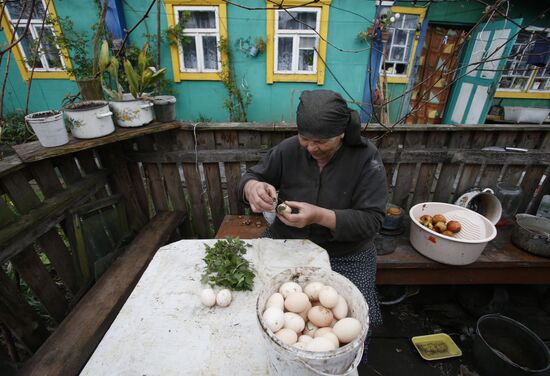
291	361
49	127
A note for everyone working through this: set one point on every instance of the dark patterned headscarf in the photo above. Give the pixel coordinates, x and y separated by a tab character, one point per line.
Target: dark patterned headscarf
324	114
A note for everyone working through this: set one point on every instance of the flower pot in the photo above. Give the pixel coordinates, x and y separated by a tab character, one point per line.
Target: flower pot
49	127
165	108
132	113
89	119
90	89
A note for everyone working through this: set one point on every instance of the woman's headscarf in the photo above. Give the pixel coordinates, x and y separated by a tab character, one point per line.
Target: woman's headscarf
324	114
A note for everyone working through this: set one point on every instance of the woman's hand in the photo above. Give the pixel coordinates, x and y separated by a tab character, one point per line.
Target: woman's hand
261	196
305	214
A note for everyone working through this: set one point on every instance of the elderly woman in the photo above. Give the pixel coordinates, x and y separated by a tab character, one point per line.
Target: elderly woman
334	182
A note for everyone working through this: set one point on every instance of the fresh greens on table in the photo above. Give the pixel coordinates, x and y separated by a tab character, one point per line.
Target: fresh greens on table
226	266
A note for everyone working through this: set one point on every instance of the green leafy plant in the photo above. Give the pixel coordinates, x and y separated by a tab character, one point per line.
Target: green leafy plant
237	101
226	266
260	45
13	129
174	34
139	79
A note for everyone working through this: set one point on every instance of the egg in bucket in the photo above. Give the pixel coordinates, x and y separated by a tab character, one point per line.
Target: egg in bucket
285	359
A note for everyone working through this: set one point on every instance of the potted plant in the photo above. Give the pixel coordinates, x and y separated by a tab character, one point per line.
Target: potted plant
89	119
131	109
49	127
258	48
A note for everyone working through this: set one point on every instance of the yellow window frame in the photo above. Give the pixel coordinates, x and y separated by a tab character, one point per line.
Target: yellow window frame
20	60
421	12
318	77
171	15
525	94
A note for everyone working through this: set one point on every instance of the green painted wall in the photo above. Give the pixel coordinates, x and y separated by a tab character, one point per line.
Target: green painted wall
205	98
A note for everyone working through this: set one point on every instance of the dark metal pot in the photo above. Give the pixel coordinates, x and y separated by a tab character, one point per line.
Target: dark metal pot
532	234
505	347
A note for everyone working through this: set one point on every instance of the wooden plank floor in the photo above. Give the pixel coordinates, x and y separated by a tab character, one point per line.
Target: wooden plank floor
500	263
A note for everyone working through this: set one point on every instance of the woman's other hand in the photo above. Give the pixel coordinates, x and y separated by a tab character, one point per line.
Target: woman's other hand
304	214
261	196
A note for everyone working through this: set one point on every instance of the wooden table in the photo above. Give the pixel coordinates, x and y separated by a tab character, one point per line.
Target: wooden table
500	263
163	328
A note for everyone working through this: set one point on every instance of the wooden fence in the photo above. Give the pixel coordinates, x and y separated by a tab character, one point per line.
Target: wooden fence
195	168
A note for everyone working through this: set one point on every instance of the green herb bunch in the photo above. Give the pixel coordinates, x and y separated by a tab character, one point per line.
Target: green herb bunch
226	266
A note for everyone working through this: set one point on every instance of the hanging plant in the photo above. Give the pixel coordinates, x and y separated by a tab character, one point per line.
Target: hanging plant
381	24
175	33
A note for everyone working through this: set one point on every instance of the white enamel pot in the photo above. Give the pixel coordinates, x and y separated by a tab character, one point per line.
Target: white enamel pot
132	113
89	119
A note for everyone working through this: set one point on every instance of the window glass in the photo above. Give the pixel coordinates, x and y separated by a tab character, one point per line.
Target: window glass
27	46
297	20
14	8
200	51
48	47
210	50
284	61
201	20
399	46
518	74
190	54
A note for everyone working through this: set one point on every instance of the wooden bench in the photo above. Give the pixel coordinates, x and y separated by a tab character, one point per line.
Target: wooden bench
500	263
66	351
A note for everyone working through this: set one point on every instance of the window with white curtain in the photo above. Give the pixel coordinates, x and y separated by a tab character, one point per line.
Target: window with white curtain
518	74
40	38
296	40
399	46
199	49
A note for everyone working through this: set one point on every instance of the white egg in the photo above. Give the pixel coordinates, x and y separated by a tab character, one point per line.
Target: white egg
208	297
274	318
276	300
333	339
300	345
296	302
328	296
294	321
320	316
320	344
341	309
312	290
223	299
347	329
288	287
287	336
310	329
322	331
305	311
305	338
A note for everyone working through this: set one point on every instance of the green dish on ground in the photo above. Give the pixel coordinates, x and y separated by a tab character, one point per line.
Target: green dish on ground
436	346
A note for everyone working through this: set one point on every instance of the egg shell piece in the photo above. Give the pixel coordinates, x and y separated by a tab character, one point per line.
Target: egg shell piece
223	298
322	331
276	300
341	309
332	337
320	316
274	319
328	297
288	287
347	329
305	338
312	290
296	302
294	321
320	344
208	297
310	329
287	336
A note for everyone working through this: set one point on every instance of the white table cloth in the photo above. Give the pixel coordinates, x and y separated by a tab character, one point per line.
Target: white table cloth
163	329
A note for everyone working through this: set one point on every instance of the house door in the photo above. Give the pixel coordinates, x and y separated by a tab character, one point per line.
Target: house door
481	69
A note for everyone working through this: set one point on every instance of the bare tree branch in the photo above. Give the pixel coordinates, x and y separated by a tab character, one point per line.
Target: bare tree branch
24	34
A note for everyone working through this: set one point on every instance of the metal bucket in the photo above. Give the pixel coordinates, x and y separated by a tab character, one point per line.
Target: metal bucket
291	361
505	347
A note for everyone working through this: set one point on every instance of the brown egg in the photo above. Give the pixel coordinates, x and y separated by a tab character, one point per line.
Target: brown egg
438	218
454	226
320	316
